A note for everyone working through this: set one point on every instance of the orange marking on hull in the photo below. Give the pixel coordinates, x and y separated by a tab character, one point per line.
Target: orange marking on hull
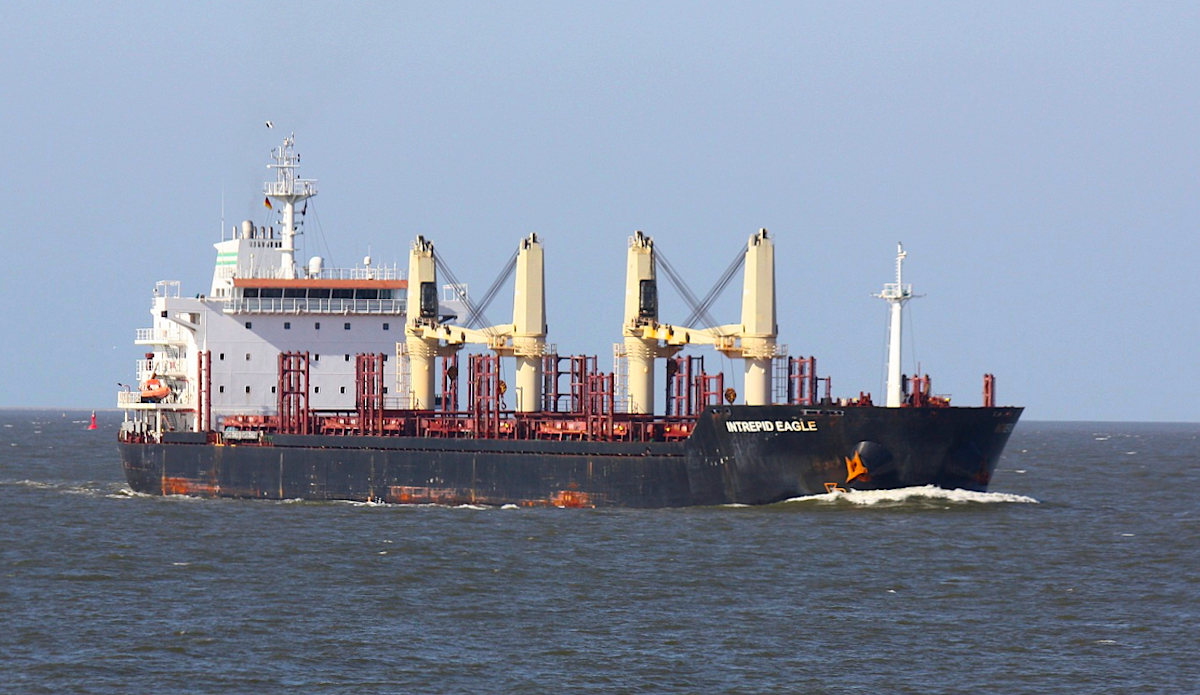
572	499
856	470
186	486
411	494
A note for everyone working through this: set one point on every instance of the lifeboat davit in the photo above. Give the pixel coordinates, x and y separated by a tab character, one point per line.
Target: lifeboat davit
154	390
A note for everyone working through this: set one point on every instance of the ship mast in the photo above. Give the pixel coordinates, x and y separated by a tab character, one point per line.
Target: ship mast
288	189
896	294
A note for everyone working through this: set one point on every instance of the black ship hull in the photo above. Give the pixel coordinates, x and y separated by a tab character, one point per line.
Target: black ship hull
735	455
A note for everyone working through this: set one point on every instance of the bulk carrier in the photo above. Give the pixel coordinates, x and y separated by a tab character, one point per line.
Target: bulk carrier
294	381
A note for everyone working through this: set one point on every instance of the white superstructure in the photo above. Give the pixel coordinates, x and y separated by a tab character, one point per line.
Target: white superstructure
259	305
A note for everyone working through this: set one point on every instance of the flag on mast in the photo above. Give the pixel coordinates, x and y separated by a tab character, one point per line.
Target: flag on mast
267	203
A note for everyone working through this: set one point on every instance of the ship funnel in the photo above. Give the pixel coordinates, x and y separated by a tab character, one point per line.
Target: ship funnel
421	310
641	311
529	324
759	331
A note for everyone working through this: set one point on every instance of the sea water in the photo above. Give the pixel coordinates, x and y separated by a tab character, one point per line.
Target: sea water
1079	572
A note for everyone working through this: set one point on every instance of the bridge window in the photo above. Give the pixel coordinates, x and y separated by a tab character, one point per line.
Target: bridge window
317	325
346	327
220	389
247	389
287	325
386	326
247	325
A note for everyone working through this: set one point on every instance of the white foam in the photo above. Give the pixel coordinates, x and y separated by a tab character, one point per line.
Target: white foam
509	506
352	503
870	497
79	490
38	484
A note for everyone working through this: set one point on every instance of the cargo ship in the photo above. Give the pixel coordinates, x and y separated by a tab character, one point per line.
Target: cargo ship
375	383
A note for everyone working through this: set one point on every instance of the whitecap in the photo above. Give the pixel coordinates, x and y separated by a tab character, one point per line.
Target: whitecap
870	497
37	484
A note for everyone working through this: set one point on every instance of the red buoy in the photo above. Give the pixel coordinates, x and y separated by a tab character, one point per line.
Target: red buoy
93	425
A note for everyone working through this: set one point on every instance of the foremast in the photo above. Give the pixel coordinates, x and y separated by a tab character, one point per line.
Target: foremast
896	294
288	189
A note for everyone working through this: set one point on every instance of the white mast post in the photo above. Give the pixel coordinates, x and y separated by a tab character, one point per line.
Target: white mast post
895	294
289	190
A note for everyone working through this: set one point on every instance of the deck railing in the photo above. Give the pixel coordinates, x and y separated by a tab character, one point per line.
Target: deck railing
300	305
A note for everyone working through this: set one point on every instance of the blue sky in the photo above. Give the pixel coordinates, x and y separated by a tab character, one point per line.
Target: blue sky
1038	160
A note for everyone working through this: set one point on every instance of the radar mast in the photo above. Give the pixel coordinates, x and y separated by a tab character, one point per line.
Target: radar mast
895	294
288	189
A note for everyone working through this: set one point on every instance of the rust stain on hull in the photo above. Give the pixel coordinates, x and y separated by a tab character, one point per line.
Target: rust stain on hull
187	486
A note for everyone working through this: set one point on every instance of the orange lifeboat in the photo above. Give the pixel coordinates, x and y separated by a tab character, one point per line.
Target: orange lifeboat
154	390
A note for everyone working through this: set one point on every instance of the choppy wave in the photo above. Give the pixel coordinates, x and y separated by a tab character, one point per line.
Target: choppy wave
914	494
69	488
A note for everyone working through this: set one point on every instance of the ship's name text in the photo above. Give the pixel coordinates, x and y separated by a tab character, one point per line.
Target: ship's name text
771	425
